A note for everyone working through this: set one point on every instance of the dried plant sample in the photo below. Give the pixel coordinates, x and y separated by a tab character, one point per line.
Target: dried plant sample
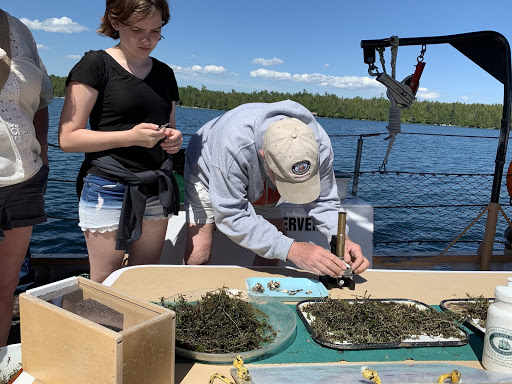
367	321
473	309
221	322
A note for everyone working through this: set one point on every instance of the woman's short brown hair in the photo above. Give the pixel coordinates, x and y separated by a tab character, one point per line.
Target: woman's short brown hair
122	10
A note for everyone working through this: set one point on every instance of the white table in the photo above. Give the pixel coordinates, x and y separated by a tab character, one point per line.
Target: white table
430	287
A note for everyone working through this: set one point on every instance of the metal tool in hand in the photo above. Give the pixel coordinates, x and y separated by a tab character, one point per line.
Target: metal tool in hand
338	248
346	276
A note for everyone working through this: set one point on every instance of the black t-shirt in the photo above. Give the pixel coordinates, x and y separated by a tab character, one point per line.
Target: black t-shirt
124	101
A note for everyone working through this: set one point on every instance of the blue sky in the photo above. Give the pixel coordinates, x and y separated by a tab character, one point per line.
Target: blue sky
287	45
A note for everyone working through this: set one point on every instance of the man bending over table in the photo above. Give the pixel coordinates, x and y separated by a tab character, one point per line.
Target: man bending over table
240	166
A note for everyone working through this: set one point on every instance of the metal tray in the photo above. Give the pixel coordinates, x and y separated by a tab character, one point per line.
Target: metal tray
290	284
422	341
473	324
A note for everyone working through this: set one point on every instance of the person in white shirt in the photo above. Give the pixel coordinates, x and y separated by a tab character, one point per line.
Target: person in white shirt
25	93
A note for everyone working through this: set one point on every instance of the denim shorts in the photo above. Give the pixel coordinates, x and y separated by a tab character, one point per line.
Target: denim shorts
198	205
101	202
22	205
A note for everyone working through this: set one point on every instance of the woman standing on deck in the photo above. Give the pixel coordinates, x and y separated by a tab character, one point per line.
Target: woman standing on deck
25	93
128	186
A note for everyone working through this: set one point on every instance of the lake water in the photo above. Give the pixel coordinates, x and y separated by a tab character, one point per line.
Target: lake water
468	150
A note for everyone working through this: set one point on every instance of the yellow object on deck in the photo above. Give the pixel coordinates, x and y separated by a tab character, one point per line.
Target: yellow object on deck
370	374
241	372
454	377
220	377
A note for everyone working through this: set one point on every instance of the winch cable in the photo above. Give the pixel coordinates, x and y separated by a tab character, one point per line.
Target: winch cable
400	94
394	127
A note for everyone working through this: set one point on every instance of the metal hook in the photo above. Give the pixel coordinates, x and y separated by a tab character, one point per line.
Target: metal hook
372	67
423	50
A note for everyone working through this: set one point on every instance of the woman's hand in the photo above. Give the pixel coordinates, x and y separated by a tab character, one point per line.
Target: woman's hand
146	135
173	140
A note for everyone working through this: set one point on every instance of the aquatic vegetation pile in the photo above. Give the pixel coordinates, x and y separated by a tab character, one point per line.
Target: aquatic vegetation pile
475	308
367	321
221	322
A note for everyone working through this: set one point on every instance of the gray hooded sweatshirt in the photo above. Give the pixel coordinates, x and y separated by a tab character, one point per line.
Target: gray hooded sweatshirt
224	154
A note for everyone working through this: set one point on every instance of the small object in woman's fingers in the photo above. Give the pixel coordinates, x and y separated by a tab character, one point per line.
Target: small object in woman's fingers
164	126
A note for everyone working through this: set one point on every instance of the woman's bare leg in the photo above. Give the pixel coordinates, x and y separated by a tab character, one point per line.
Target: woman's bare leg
103	257
12	253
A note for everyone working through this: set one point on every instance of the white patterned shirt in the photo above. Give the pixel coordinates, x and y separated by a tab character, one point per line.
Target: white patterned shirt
27	90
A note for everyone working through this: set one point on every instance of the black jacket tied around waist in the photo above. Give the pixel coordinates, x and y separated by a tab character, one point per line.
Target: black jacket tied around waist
135	196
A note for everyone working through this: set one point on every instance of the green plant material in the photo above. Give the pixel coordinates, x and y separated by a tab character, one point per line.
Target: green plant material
365	321
6	378
473	309
476	309
221	322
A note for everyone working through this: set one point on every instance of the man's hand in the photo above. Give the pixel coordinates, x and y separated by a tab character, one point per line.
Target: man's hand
322	262
354	256
315	259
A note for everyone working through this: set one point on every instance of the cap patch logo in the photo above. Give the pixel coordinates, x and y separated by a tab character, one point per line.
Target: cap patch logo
301	167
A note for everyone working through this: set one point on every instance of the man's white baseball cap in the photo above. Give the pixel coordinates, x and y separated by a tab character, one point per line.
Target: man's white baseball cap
291	152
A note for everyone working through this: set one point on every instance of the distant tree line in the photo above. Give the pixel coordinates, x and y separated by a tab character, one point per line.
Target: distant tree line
59	85
329	105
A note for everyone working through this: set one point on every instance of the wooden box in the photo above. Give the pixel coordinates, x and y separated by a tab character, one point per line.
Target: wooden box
78	331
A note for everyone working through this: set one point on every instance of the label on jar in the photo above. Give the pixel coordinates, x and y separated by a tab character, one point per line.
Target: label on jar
499	347
501	343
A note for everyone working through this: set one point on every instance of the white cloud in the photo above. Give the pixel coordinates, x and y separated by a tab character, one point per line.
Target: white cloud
197	69
267	62
74	57
342	82
424	93
266	74
214	69
41	46
62	25
465	98
326	65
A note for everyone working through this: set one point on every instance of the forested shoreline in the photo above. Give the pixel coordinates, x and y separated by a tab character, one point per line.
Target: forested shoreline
329	105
